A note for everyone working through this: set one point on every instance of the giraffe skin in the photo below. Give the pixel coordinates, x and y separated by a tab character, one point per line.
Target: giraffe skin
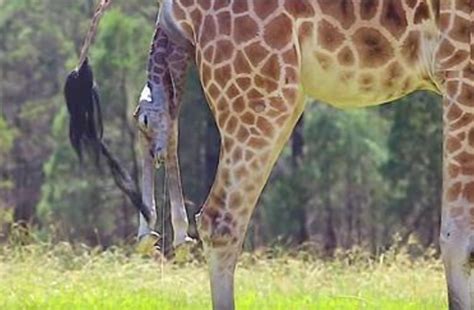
156	116
257	60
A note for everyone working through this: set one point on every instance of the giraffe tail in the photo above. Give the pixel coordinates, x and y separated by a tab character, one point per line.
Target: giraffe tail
85	119
82	100
86	131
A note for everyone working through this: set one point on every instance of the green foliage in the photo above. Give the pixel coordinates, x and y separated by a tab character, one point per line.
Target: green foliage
344	150
7	136
414	169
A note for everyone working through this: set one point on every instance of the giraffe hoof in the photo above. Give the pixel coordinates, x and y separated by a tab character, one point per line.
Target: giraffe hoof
147	244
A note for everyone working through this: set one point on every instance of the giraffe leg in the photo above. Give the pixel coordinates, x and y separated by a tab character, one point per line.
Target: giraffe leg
245	164
147	238
457	222
145	112
179	216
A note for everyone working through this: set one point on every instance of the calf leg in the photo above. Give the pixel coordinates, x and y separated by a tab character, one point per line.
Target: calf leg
179	217
146	236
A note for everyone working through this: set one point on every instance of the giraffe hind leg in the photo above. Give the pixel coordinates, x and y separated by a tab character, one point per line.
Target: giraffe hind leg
249	149
457	220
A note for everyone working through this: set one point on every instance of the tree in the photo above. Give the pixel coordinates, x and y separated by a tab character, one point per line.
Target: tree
334	184
414	167
31	55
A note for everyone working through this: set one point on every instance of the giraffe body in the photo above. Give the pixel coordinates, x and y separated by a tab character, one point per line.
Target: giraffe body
329	65
257	60
379	52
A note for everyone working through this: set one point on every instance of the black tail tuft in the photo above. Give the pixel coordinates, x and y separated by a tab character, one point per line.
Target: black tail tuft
86	130
82	100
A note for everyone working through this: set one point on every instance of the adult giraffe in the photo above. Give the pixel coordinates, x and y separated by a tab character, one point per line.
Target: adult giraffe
258	59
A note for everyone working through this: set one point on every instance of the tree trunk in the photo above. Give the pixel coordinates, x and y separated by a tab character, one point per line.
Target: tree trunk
297	143
330	238
297	155
28	178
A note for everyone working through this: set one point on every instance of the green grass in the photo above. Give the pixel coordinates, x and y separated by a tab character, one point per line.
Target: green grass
62	277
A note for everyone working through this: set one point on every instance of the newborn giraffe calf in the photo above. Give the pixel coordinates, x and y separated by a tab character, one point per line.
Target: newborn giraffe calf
157	120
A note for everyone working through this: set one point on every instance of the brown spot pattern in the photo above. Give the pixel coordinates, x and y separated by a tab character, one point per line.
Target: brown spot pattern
278	31
209	33
467	95
204	4
394	18
470	137
305	31
341	10
468	192
223	75
368	9
300	8
422	13
265	8
324	60
373	48
461	30
240	6
224	21
272	67
241	64
224	51
256	52
394	74
453	144
346	57
329	36
466	161
454	191
462	121
411	3
245	28
411	47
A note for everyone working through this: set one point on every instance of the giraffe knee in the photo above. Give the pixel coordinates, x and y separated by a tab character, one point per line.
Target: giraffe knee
217	228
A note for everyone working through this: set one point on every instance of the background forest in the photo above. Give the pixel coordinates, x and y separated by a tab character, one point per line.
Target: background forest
366	178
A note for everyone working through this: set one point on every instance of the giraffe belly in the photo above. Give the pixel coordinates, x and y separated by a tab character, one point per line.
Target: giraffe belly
325	79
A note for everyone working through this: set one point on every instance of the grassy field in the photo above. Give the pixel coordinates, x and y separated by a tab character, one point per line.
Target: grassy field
62	277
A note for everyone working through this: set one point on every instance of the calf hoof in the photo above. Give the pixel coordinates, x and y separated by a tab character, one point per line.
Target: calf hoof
148	244
193	232
182	239
182	252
